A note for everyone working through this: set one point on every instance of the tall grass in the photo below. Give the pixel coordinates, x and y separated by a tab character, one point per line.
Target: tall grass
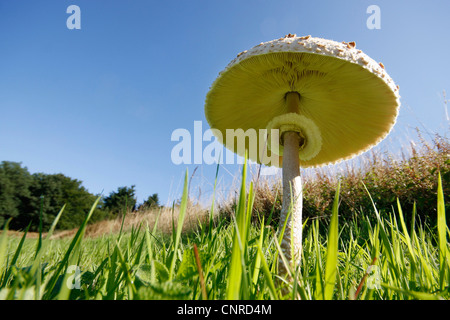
236	260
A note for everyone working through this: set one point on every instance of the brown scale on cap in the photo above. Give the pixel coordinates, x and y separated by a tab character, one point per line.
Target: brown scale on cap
290	35
381	65
305	37
351	44
364	61
241	53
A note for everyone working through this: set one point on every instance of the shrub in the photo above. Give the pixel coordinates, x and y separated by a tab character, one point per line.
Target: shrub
410	179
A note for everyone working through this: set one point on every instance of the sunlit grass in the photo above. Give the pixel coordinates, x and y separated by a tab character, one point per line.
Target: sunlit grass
238	260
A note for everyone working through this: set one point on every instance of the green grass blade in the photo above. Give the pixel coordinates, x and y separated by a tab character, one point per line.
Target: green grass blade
55	222
20	246
155	226
319	287
414	294
442	235
267	275
181	216
332	250
235	271
211	211
41	212
241	216
150	255
413	221
258	259
248	216
406	235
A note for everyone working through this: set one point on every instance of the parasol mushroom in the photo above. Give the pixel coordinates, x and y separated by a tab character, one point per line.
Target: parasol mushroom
326	100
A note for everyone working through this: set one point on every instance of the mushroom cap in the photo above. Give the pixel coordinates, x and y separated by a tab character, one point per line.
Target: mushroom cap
349	98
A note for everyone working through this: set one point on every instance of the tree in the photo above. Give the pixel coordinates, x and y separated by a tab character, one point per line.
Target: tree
151	202
51	192
122	200
14	192
24	196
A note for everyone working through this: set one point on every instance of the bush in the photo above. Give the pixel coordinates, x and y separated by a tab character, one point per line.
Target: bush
411	180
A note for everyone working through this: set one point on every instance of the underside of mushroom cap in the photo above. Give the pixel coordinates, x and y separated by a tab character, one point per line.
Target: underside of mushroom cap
348	97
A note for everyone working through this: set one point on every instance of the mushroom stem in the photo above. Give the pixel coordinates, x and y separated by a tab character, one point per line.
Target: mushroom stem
292	200
292	102
292	192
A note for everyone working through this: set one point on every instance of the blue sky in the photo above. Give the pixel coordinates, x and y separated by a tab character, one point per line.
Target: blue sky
99	104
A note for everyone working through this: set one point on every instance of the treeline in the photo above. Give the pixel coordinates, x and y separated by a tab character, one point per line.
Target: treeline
25	198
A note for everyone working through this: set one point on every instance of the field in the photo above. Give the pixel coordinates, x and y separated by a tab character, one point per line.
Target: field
234	253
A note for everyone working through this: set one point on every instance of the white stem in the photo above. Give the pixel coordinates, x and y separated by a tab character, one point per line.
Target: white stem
292	200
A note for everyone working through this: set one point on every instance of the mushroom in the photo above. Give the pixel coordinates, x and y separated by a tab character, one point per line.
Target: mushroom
326	100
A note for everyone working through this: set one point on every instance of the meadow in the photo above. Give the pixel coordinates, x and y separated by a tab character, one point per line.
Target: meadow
353	247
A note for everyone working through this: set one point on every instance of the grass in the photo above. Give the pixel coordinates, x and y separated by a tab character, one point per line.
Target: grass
237	259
